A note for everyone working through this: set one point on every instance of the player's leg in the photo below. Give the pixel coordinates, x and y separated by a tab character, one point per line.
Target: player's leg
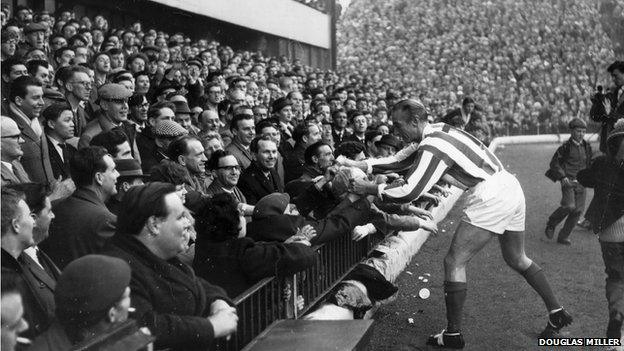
512	247
613	256
467	241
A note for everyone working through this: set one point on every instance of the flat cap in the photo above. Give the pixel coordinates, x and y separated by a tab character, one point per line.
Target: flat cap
169	129
35	27
89	286
280	103
111	91
577	123
270	205
181	107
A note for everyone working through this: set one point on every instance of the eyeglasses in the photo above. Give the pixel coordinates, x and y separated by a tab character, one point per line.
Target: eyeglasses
16	136
230	168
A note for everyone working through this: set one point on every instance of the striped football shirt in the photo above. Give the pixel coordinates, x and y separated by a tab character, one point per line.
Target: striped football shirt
443	150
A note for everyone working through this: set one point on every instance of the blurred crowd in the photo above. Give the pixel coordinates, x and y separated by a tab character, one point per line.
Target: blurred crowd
149	179
523	62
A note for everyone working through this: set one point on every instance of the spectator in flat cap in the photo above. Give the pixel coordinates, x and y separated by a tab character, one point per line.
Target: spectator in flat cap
151	153
93	171
183	117
130	174
92	305
113	114
183	311
388	145
35	38
224	256
574	155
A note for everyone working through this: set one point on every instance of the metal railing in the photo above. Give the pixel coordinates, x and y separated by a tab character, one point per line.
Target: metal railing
277	298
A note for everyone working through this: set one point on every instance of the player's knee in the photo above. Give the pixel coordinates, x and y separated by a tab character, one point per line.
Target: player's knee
517	262
451	260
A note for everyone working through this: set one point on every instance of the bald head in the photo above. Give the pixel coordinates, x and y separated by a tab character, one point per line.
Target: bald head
10	149
209	121
412	109
410	118
9	127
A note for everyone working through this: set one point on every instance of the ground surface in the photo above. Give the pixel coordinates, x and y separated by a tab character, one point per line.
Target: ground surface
502	312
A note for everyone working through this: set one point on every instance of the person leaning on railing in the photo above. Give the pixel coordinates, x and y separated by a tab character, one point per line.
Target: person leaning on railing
224	256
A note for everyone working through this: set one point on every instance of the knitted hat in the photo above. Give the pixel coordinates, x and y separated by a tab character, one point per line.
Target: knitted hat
389	140
89	286
577	123
169	129
270	205
129	168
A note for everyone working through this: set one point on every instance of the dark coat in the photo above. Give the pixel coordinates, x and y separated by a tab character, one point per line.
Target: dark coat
282	227
238	263
294	162
60	167
607	179
242	155
81	227
599	114
36	160
255	185
150	155
101	124
169	299
557	170
37	290
338	139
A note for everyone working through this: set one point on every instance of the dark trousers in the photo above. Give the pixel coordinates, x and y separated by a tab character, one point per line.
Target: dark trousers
572	205
613	256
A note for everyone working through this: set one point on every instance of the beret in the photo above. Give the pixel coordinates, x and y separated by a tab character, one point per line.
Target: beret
270	205
35	27
577	123
89	286
113	91
169	129
280	103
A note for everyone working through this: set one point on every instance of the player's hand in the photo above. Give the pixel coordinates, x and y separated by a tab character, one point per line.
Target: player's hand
431	197
420	212
429	226
361	187
566	182
362	231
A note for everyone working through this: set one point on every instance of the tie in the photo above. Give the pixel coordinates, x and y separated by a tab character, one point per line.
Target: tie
64	155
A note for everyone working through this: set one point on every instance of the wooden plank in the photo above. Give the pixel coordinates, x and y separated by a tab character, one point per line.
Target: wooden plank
302	335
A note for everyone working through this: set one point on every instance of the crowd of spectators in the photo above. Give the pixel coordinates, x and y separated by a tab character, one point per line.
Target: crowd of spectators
523	62
200	170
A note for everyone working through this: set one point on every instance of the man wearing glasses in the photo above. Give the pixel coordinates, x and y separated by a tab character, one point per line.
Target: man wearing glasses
226	172
11	151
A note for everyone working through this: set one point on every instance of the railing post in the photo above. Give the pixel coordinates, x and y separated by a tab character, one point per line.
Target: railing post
290	291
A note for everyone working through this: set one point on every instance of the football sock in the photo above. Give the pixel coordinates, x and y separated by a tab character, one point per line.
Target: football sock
454	296
536	278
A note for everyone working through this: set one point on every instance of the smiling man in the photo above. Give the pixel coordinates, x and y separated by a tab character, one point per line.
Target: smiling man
244	131
93	171
189	152
114	114
226	173
26	104
261	177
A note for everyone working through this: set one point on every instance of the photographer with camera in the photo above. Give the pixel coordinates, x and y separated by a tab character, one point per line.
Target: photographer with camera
608	107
